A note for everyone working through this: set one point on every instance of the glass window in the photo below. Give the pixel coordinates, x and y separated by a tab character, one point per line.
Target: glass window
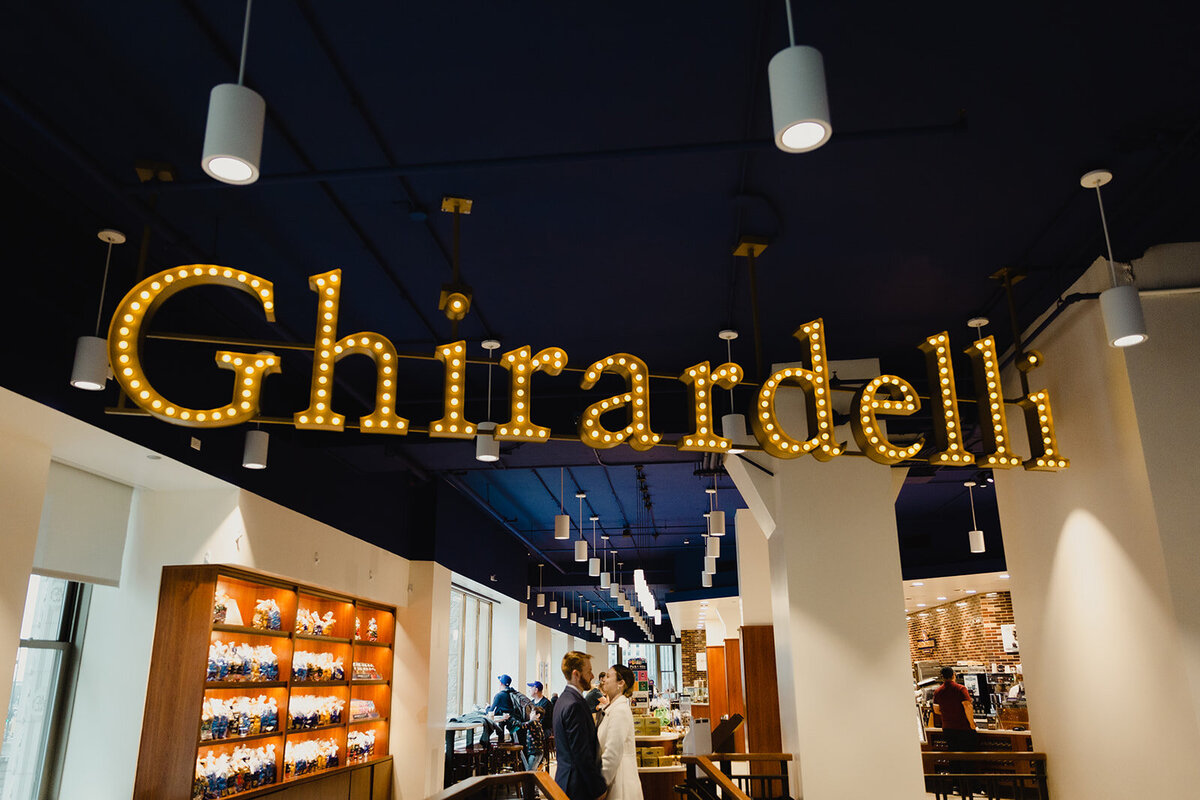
470	664
43	680
668	679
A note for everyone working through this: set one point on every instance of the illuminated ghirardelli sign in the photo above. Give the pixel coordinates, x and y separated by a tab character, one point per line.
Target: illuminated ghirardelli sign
884	395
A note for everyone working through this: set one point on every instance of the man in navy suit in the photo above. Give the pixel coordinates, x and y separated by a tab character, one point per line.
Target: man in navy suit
575	742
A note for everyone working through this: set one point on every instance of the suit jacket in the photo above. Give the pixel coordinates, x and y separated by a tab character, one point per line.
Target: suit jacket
577	748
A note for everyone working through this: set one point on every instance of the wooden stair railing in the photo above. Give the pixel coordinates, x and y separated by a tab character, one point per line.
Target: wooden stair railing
528	782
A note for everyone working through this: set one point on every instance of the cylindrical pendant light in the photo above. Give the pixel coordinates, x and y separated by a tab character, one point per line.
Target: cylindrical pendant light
594	567
733	428
486	446
554	606
716	523
799	105
1120	306
710	565
581	554
574	616
541	597
976	540
705	580
254	455
562	611
562	526
713	547
612	590
234	132
90	370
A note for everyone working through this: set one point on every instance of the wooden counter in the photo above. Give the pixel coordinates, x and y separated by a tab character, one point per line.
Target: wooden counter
666	740
658	783
989	739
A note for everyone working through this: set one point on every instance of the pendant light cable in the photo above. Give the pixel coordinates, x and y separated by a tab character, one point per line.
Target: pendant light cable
246	42
791	32
1112	267
103	286
971	495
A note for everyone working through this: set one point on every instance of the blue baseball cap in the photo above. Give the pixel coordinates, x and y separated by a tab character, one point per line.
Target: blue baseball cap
505	679
536	684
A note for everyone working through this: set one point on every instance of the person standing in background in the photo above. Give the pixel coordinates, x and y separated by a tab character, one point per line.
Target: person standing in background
576	747
618	747
952	702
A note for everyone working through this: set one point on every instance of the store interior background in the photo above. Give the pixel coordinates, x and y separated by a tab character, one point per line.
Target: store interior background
599	254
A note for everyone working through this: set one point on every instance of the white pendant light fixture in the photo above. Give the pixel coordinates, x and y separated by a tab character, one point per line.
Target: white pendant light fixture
574	616
562	522
614	588
706	580
605	577
716	518
1124	323
733	424
710	565
553	603
713	547
562	611
799	105
975	536
594	561
254	454
90	370
234	133
541	596
581	550
486	447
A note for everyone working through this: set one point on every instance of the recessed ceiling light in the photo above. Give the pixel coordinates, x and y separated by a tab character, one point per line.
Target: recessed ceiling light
990	594
923	614
906	611
918	583
942	610
969	591
942	597
920	605
1004	576
960	604
154	457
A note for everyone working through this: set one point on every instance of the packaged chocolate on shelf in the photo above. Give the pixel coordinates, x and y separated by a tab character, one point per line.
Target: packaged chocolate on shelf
267	616
314	755
312	711
362	709
365	671
229	774
360	745
372	630
308	666
313	624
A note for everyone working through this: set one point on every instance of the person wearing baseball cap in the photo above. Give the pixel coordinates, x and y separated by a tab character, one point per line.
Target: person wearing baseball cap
539	699
505	702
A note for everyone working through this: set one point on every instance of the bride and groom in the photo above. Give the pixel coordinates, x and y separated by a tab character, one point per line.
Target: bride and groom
595	764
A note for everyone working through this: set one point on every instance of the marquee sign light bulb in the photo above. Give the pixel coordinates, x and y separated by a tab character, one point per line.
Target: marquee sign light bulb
815	384
989	400
521	364
703	439
453	423
637	431
947	426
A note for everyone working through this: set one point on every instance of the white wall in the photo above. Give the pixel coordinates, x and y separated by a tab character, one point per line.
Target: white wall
753	562
1095	578
24	466
838	605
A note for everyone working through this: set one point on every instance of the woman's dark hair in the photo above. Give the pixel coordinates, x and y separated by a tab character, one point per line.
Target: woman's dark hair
625	674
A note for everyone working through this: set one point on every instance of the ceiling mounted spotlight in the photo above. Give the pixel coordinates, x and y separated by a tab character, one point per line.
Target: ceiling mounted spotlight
90	370
975	536
1120	305
234	132
455	298
254	454
799	104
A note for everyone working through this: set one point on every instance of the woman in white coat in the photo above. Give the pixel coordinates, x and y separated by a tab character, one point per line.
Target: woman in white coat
618	753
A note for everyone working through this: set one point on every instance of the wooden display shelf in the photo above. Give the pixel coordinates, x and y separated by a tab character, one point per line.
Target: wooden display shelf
177	688
237	739
317	684
245	685
368	719
329	727
247	630
312	637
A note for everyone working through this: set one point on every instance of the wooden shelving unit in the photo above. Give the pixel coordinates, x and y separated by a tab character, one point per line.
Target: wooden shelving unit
171	729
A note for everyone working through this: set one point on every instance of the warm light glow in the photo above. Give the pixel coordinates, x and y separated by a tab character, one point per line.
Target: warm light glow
521	366
886	394
320	415
815	385
1039	427
133	315
702	438
637	398
452	424
804	135
989	400
947	427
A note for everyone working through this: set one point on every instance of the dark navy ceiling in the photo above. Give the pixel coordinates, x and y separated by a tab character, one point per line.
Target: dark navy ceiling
615	153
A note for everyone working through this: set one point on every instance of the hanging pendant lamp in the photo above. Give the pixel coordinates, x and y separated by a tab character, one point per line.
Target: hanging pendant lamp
90	370
581	551
799	104
254	454
541	596
1120	306
234	132
974	536
562	522
733	424
706	580
554	604
605	578
594	561
487	449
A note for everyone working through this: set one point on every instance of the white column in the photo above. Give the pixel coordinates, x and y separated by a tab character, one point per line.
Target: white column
753	562
1095	577
845	678
24	466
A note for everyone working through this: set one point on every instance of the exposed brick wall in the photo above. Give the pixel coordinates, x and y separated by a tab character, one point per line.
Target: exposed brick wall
964	633
692	642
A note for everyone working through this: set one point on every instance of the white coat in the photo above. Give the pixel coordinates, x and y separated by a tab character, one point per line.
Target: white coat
618	753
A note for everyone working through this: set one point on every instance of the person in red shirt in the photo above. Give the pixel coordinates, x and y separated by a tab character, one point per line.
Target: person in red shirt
952	702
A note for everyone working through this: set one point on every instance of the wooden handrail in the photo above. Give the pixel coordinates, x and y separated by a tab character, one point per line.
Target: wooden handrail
980	755
728	788
473	786
750	757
